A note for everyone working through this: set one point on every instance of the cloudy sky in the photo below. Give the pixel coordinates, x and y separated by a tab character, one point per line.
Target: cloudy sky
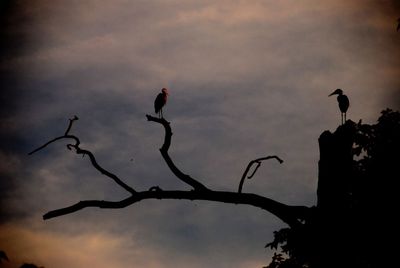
246	79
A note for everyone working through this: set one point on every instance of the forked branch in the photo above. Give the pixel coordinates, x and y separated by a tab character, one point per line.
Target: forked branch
251	163
164	152
292	215
84	152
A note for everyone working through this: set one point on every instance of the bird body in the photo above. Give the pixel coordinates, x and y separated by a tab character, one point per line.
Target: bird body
160	101
343	102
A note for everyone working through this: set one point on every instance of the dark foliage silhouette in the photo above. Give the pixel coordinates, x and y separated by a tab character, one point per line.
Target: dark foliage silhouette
353	224
347	227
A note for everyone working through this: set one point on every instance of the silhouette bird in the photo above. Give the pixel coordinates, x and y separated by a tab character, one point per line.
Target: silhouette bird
160	101
343	102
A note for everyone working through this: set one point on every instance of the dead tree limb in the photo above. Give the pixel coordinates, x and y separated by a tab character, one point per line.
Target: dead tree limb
288	214
251	163
164	152
85	152
292	215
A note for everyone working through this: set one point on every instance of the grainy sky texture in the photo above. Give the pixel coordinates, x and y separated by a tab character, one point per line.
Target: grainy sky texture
246	79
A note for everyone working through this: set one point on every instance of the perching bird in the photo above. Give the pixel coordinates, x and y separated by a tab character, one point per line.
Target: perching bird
160	101
343	102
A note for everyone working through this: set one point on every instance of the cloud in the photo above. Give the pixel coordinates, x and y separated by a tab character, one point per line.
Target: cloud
98	249
246	80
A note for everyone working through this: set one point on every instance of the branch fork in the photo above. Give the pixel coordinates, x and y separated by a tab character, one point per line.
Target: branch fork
251	163
292	215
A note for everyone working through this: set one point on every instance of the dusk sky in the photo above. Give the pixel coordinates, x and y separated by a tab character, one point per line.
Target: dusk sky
246	79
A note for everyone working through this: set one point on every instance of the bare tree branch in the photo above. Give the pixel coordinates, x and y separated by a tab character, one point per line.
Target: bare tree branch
288	214
102	170
258	161
87	203
71	121
85	152
164	152
292	215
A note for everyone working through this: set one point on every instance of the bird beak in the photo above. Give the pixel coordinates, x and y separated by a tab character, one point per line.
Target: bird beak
333	93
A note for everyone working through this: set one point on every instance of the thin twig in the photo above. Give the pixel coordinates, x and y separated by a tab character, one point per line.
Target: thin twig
255	170
47	143
71	121
102	170
85	152
258	161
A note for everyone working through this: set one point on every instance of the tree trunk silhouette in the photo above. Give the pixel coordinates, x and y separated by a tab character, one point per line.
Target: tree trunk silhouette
335	169
333	230
353	224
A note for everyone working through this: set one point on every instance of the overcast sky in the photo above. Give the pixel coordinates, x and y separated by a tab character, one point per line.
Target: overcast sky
246	79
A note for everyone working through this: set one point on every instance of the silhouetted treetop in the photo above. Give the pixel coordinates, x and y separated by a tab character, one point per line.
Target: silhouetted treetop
354	223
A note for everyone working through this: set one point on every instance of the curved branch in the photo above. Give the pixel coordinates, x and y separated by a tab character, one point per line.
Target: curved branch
102	170
164	152
84	204
71	121
258	161
46	144
254	171
288	214
85	152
